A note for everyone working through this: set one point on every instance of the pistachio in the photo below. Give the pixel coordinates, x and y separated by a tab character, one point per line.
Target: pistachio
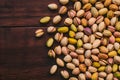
95	51
84	22
107	2
77	6
79	43
102	74
96	43
91	21
71	47
110	14
87	46
79	35
103	11
71	13
102	56
80	13
81	76
101	68
85	1
45	19
82	67
72	40
80	50
70	66
117	74
76	71
94	28
114	21
94	11
88	53
68	21
95	58
62	10
91	38
75	62
113	7
73	28
73	78
39	32
81	58
76	21
99	5
103	49
67	58
88	74
92	1
51	53
65	50
53	69
88	62
63	29
64	41
117	59
88	15
99	19
63	2
112	39
58	50
115	67
73	54
57	19
94	76
51	29
101	26
65	74
85	39
60	62
87	6
92	69
109	76
96	64
87	31
103	62
117	34
116	2
49	43
72	34
117	26
108	69
111	28
112	53
53	6
58	37
107	33
107	21
110	60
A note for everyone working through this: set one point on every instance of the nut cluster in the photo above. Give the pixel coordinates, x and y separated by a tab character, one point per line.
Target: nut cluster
92	47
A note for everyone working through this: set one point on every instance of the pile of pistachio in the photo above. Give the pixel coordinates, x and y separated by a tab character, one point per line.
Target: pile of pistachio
91	48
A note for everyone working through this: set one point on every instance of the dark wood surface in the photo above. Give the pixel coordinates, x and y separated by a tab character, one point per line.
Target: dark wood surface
22	56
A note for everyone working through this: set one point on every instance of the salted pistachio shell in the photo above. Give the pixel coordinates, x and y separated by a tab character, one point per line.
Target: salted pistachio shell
49	43
94	11
103	11
45	19
63	29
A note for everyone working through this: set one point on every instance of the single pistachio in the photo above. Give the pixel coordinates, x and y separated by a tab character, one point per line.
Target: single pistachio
77	5
98	35
84	22
102	74
108	69
99	19
115	67
58	37
76	21
57	19
96	64
80	28
117	13
62	10
85	1
107	21
112	39
73	78
53	69
117	59
82	67
63	29
87	31
117	34
76	71
92	1
107	2
94	28
87	6
103	11
49	42
88	15
67	58
110	14
65	50
88	62
75	62
110	60
87	46
114	20
58	50
71	47
91	21
94	11
91	38
64	41
103	62
95	51
79	43
39	32
94	58
81	58
71	13
79	35
73	28
85	39
88	75
103	49
51	29
101	68
113	7
99	5
73	54
68	21
94	76
96	43
116	2
104	41
64	2
60	62
87	53
117	74
52	6
72	34
117	26
45	19
111	28
80	13
72	40
107	33
109	77
92	69
103	56
112	53
51	53
80	50
81	76
65	74
70	66
101	26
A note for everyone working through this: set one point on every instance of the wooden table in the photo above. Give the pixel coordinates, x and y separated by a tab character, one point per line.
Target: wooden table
22	56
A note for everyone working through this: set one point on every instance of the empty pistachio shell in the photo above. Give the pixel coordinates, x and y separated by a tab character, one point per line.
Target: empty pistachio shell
45	19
